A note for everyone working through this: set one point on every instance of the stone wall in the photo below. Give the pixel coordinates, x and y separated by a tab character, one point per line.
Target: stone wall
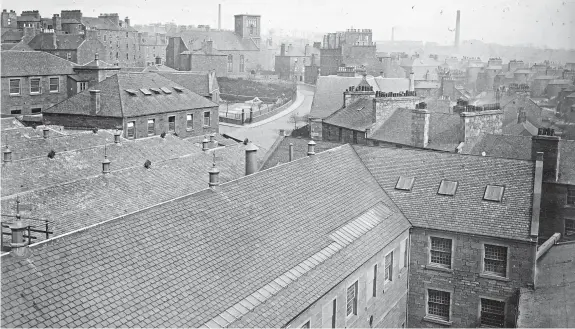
330	59
420	128
161	123
465	280
386	106
554	210
25	102
476	124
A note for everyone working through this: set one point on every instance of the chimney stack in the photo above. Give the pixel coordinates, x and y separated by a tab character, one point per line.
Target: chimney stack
18	244
94	101
283	49
420	127
127	21
311	148
251	159
57	23
214	176
290	152
411	81
219	16
7	155
547	143
457	29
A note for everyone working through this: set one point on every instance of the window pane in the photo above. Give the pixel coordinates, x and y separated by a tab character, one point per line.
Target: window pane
496	259
172	124
447	187
570	195
441	251
35	85
151	127
190	121
54	84
438	304
15	86
492	313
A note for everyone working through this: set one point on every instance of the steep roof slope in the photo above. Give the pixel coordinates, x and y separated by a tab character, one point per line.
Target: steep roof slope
63	41
27	63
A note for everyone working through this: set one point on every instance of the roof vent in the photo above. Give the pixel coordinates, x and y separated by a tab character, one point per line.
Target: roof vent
404	183
155	90
166	90
7	155
311	148
117	137
447	187
147	164
205	142
179	89
145	91
45	132
132	92
493	193
106	162
214	175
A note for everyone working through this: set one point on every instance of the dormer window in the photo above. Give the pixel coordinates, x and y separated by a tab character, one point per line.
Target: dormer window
447	187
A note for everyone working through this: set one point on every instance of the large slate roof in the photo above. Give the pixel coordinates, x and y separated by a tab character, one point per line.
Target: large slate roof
28	63
357	116
45	41
117	102
196	82
222	40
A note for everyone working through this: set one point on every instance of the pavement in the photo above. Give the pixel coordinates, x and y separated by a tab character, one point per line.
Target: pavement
265	132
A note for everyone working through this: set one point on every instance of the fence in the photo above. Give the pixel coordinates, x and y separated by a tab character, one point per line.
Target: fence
262	112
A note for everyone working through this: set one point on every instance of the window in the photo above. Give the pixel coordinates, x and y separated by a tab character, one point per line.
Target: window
492	313
82	86
438	303
16	112
14	86
207	119
340	134
127	56
34	85
354	137
388	276
36	110
151	127
190	121
447	187
69	56
251	29
569	226
242	64
333	312
570	189
352	299
131	131
403	248
493	193
495	261
172	124
306	325
404	183
440	252
230	63
54	85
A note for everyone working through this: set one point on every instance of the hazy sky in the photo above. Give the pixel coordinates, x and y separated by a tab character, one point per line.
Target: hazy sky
540	22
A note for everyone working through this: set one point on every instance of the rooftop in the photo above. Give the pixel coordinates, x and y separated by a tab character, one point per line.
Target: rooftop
356	116
104	24
44	41
222	40
28	63
196	82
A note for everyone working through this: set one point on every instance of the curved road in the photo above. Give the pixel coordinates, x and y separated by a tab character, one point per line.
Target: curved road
265	133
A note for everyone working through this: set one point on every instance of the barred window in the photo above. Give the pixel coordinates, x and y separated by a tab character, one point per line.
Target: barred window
388	267
492	313
569	226
495	260
570	194
352	299
438	303
441	252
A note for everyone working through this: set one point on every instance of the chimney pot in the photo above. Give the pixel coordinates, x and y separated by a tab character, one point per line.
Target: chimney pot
214	176
18	228
45	132
7	155
311	148
117	137
106	165
205	142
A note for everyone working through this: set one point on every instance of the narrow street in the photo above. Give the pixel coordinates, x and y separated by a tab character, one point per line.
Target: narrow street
265	133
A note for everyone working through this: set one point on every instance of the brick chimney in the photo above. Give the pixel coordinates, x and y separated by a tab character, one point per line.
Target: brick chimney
7	155
420	127
473	125
94	102
311	148
251	159
57	23
362	90
548	143
29	34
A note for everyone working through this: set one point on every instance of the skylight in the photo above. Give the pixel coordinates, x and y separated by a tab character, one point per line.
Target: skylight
447	187
404	183
132	92
155	90
166	90
145	91
179	89
493	193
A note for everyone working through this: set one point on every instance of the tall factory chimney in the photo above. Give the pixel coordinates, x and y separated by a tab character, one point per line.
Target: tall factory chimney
457	30
392	33
219	16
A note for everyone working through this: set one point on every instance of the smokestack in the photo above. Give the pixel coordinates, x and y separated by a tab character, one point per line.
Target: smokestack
219	16
251	159
393	34
457	29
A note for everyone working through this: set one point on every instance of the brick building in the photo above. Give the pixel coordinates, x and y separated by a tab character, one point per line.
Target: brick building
33	81
242	47
77	48
140	104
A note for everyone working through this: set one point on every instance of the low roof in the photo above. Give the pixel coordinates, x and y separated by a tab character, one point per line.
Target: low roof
116	101
11	36
9	123
210	260
222	40
466	211
104	24
279	153
29	63
356	116
552	302
45	41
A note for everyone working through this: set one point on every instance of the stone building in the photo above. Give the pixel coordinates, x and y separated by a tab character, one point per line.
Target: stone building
77	48
139	104
151	46
354	47
207	58
291	63
33	81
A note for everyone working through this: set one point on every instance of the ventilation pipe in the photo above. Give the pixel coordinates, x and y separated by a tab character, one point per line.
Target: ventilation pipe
311	148
290	152
251	159
205	142
117	137
45	132
214	176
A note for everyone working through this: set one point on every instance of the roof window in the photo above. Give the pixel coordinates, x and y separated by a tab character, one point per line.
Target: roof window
179	89
404	183
493	193
131	92
166	90
155	90
145	91
447	187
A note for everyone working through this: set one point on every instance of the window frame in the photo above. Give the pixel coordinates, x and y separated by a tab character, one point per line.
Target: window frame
19	86
447	194
571	229
133	129
479	317
209	117
437	317
39	79
189	122
387	279
39	110
50	85
153	121
169	128
570	197
493	274
334	313
230	63
242	63
354	312
430	241
16	112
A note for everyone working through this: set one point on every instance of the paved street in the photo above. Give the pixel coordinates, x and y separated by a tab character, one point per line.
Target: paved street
265	133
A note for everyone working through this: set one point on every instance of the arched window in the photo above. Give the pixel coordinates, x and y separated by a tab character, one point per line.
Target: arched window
242	68
230	63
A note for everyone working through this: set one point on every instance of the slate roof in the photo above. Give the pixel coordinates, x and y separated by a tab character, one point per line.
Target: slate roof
422	84
117	102
280	152
20	46
27	63
511	110
104	24
7	123
40	172
228	250
357	116
328	96
443	130
222	40
12	36
44	41
196	82
466	211
552	302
